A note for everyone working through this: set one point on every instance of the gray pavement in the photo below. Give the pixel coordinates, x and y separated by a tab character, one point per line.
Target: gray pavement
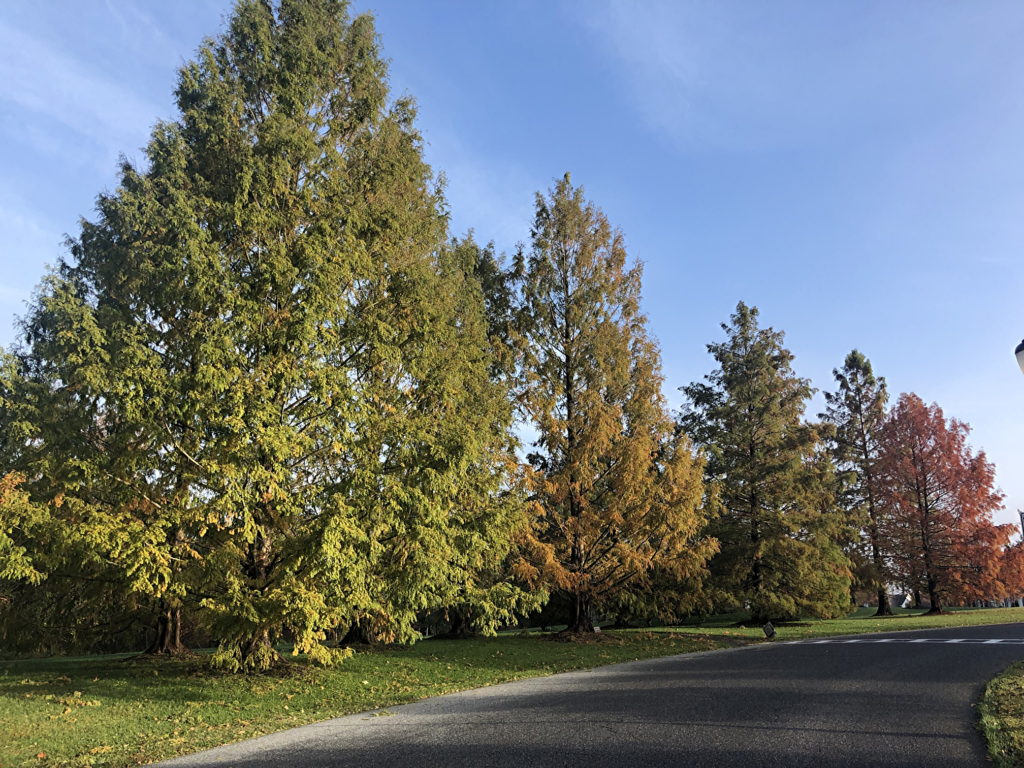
842	702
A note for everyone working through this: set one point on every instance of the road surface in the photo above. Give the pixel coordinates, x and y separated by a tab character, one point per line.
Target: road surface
897	699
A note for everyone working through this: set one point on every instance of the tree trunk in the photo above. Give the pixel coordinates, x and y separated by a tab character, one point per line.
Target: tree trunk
168	632
580	619
459	621
933	597
884	609
256	652
357	634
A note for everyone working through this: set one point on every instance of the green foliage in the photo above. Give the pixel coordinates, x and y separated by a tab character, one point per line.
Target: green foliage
490	517
63	587
262	389
19	518
857	411
777	524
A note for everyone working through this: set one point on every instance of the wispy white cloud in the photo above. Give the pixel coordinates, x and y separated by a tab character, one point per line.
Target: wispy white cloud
25	236
44	138
38	78
141	32
750	75
494	200
490	195
659	61
28	243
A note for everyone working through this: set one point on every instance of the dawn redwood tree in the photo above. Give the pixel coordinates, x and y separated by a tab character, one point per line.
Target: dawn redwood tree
618	486
778	532
939	497
857	411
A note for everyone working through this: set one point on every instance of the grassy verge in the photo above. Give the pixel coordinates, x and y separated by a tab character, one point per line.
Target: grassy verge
1001	717
862	621
121	710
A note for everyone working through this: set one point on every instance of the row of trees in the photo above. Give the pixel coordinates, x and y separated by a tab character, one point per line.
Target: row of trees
269	397
924	499
869	498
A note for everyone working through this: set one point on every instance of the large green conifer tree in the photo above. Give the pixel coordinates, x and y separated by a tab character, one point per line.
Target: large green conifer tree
272	383
492	512
780	555
857	410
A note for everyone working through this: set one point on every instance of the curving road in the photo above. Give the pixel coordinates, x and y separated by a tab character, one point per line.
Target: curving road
897	699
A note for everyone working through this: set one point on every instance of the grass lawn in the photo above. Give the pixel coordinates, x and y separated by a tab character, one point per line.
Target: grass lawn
1001	714
860	621
124	710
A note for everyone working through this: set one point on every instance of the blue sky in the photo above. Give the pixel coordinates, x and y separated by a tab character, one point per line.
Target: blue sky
855	170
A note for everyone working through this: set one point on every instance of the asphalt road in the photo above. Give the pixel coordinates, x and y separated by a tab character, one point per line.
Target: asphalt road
906	701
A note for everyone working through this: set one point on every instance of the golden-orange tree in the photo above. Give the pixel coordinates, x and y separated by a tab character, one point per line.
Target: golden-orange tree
618	486
939	497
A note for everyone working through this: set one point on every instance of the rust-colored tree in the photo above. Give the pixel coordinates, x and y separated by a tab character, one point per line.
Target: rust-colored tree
939	497
1011	571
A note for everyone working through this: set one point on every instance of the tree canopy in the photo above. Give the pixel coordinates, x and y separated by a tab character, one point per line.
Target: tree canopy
939	497
618	485
266	396
779	535
857	410
263	381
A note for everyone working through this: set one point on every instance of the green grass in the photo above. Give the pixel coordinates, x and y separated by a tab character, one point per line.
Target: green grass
123	710
1001	717
861	621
